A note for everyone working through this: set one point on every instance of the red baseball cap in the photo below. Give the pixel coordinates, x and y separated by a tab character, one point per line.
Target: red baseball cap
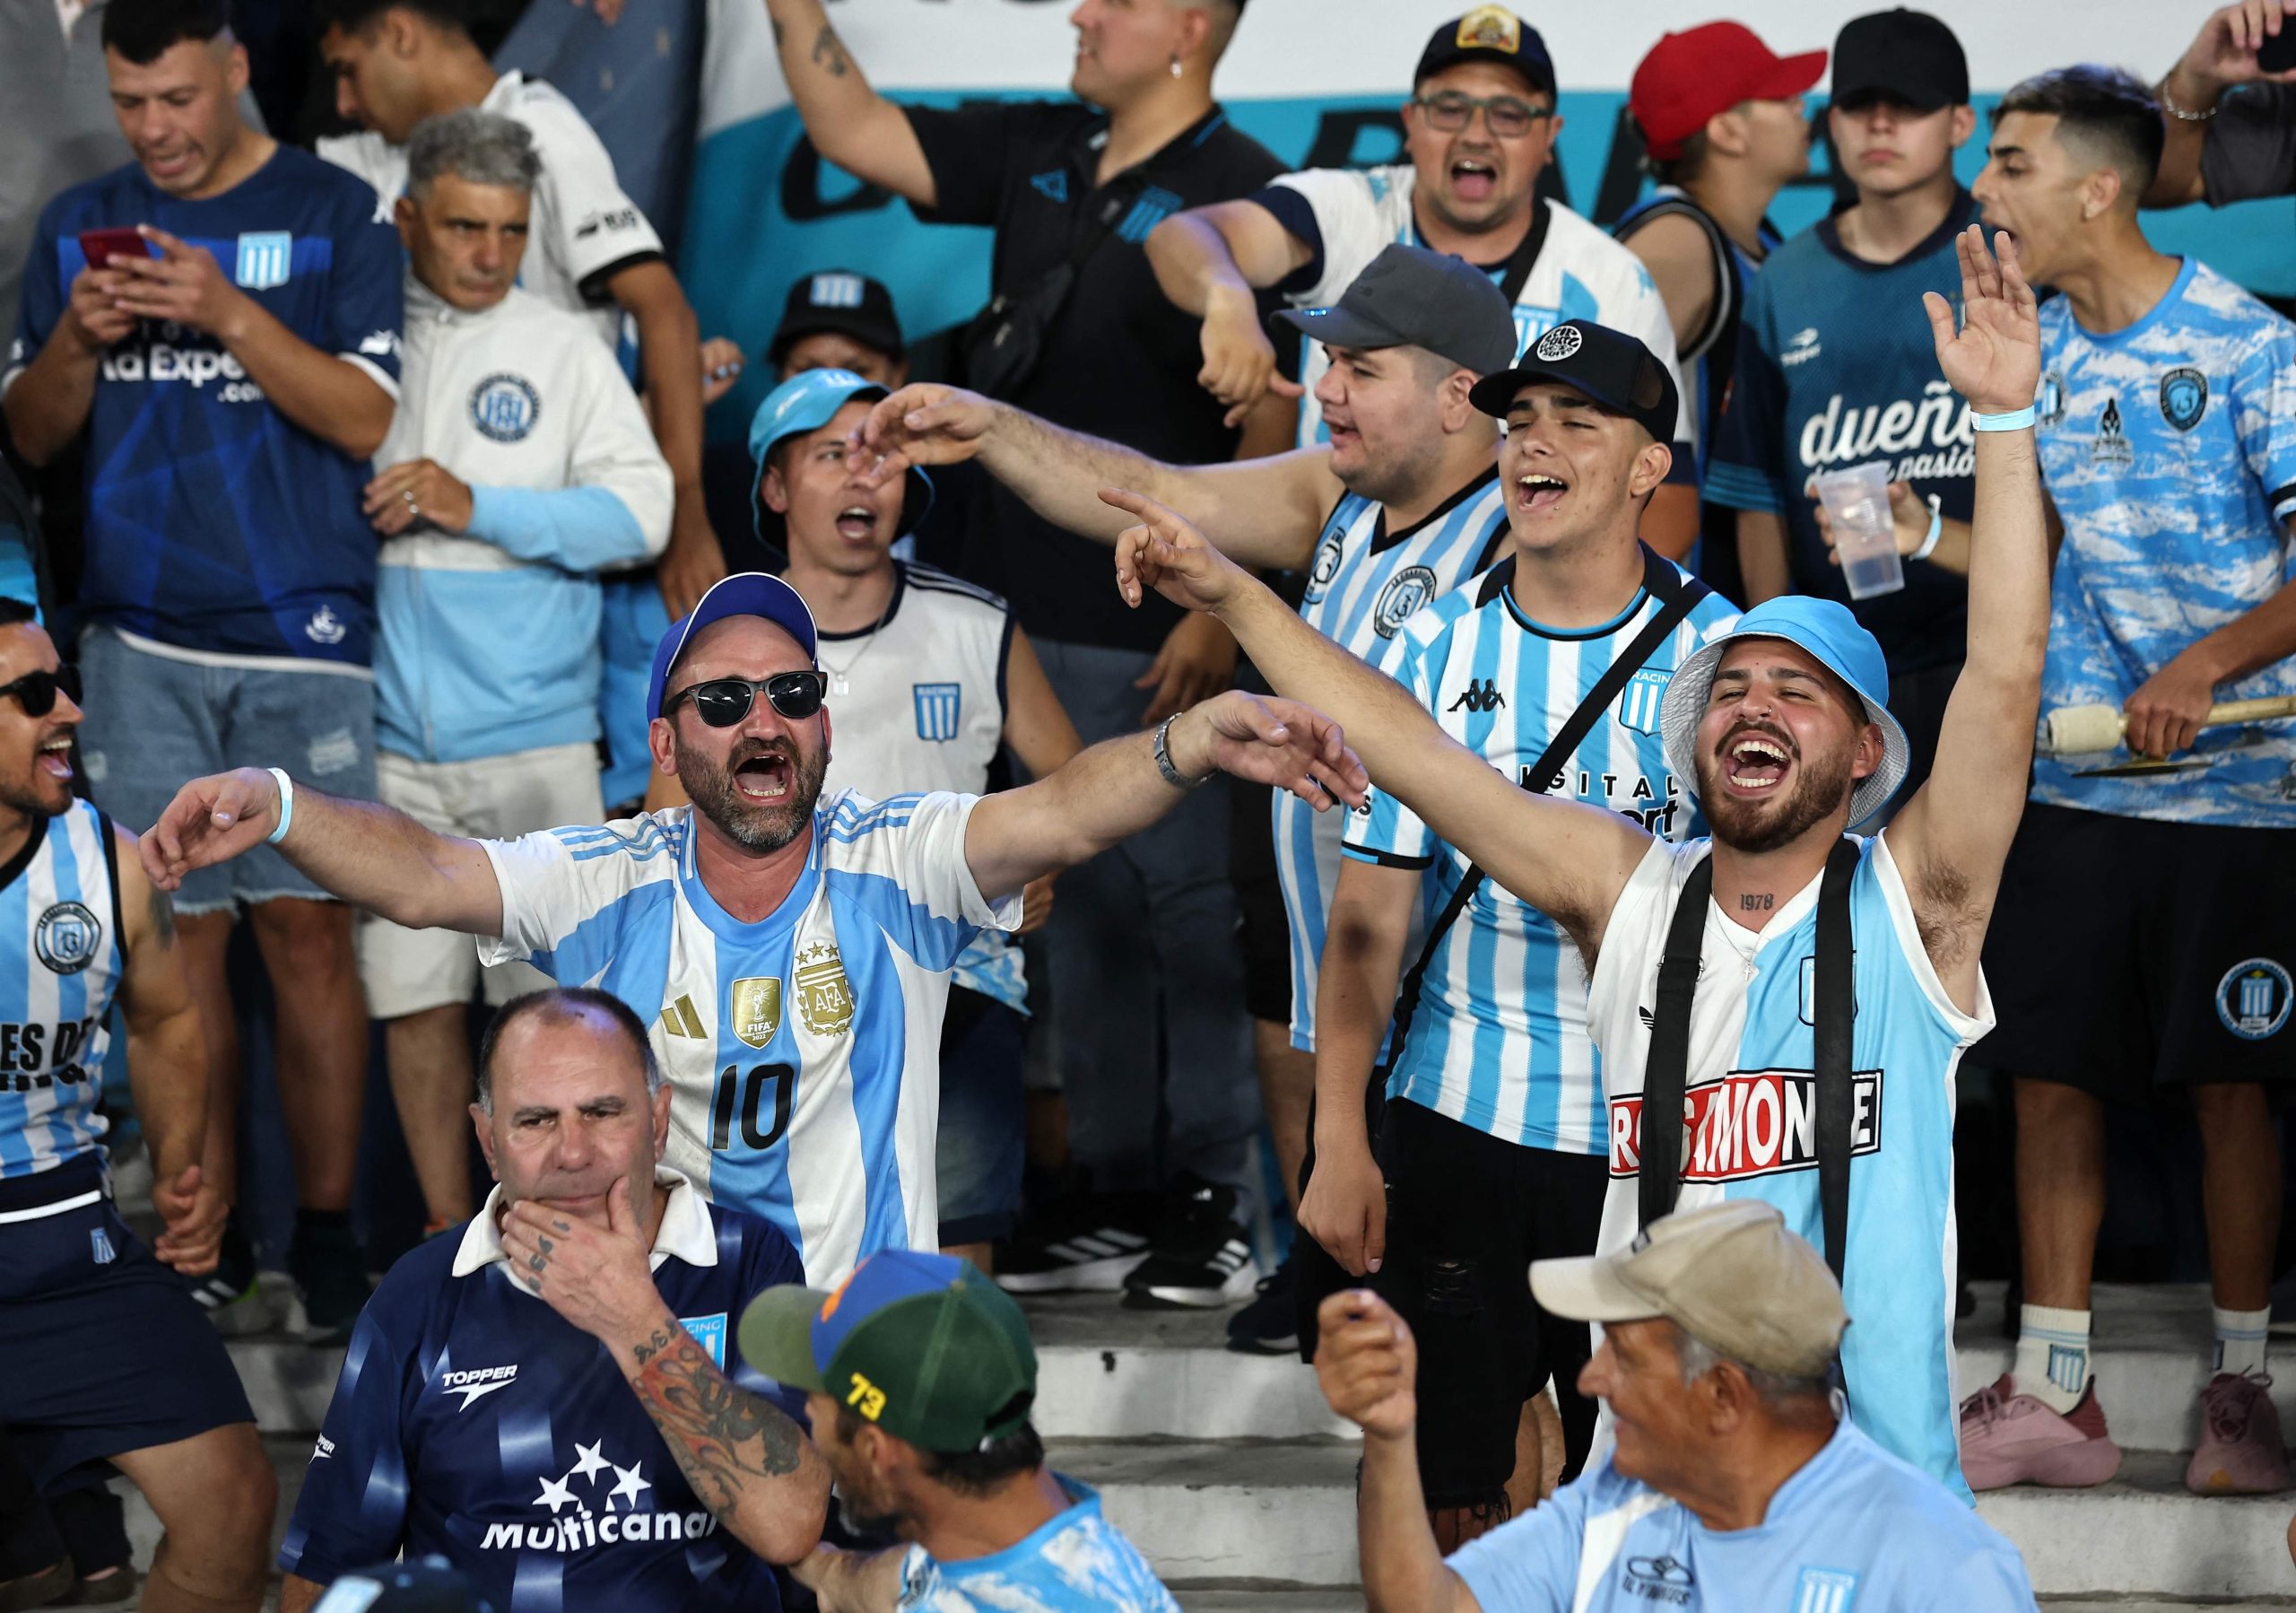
1690	76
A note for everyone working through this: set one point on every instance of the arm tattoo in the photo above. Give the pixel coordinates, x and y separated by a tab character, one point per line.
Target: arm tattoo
829	53
723	1435
162	912
1756	902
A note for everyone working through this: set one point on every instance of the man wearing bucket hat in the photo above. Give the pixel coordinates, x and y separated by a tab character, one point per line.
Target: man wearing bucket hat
1783	726
929	676
1731	1480
789	947
918	1376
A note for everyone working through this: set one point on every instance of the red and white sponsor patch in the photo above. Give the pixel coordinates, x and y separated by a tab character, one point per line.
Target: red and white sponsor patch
1750	1122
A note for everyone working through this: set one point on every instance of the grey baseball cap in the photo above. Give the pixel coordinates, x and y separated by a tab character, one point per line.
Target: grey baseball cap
1411	297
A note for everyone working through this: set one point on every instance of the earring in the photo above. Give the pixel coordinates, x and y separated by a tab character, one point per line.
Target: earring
1176	63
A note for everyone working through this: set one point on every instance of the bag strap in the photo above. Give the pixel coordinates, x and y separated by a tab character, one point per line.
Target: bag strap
1517	271
1835	1009
1681	596
1665	1071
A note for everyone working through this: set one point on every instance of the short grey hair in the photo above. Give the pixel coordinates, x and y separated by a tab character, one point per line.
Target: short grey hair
478	147
558	1005
1697	1358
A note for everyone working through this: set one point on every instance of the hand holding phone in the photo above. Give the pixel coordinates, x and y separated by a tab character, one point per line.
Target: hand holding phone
99	246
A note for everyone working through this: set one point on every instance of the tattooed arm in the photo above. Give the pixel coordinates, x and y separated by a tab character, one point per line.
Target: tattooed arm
851	1582
748	1462
848	122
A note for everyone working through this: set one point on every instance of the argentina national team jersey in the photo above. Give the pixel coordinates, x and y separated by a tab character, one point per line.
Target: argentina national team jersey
803	1050
2169	449
59	912
471	1421
1500	1039
1363	584
1751	1121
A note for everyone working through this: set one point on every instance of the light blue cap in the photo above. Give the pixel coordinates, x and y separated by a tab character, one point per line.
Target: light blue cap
806	402
1825	629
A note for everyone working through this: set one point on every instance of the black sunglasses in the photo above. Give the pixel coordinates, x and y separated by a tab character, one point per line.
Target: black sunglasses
723	702
36	691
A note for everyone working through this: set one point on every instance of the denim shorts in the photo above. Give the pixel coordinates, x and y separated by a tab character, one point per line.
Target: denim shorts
980	1155
155	721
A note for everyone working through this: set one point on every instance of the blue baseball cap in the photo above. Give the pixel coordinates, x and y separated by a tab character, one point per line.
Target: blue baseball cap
743	594
807	401
1825	629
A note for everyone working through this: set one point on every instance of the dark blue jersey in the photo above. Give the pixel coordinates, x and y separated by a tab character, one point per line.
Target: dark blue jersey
213	524
473	1422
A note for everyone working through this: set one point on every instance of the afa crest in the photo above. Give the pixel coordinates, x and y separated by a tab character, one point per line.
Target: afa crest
824	996
757	1010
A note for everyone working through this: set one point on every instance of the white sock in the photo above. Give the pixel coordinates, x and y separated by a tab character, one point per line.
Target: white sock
2053	1355
2240	1338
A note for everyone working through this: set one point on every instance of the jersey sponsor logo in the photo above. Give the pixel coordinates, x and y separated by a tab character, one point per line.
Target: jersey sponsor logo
757	1010
1401	598
679	1019
2184	398
1328	555
937	708
195	366
37	1056
1480	695
476	1383
1638	701
824	996
1750	1122
1928	440
1824	1590
1801	347
2252	998
602	1513
834	291
265	259
504	407
325	1447
325	627
1561	343
2110	445
710	1333
67	937
609	218
1661	1579
1052	187
1636	796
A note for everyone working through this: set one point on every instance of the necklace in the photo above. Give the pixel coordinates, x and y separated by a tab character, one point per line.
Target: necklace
839	683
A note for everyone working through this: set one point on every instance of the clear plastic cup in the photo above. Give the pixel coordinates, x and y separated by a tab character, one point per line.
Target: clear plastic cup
1858	504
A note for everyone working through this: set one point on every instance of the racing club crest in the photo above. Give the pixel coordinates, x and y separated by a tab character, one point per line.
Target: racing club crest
1405	592
2184	398
504	407
67	937
824	996
2254	997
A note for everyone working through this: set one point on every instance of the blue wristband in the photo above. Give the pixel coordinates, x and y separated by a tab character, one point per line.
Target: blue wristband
2016	419
286	806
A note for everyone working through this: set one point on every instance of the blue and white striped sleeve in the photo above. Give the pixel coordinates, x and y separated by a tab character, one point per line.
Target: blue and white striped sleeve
1391	834
353	1509
567	893
903	860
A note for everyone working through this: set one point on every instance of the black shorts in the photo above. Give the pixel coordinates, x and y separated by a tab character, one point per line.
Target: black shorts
2126	955
1467	1215
1265	934
106	1350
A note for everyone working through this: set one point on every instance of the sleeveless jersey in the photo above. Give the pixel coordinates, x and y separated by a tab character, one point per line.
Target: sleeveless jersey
803	1051
1752	1110
1498	1040
924	708
1363	584
59	970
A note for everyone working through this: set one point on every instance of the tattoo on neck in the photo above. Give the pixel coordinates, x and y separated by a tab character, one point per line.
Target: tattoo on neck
1756	903
724	1437
829	52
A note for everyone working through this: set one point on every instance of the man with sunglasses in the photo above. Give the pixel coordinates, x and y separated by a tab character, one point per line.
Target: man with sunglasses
791	949
1479	129
117	1362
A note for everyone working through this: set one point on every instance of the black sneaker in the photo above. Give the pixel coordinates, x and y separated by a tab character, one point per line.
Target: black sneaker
230	1294
1086	1244
1202	1255
328	1267
1270	1324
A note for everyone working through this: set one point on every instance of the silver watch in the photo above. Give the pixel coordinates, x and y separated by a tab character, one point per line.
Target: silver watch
1172	775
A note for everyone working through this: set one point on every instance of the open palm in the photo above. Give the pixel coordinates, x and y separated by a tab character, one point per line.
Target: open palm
1994	358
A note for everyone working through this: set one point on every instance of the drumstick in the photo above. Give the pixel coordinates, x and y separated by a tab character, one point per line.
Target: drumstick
2070	730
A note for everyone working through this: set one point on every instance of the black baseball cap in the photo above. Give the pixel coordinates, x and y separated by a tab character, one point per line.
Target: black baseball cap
1612	368
1489	33
839	300
1908	55
1411	297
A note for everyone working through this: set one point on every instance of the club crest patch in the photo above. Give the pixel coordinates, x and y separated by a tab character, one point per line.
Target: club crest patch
2184	398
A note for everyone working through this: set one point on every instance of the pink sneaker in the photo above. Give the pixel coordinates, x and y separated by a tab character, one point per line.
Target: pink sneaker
2240	1450
2008	1438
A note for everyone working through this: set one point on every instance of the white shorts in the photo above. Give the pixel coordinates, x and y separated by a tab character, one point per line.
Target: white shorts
406	970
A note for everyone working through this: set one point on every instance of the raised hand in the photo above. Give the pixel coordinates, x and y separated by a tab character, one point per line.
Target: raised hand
1367	1364
921	424
1165	553
2224	52
1267	740
1995	360
212	820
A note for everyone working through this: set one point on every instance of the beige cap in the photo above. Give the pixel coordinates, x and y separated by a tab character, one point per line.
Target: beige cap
1730	1275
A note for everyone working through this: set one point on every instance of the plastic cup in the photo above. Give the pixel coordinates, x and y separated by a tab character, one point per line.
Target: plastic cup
1858	504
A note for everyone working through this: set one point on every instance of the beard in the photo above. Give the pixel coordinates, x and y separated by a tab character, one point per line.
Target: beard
754	826
1821	785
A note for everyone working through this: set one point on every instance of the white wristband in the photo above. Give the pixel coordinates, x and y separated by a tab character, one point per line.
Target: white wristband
1937	531
2015	420
286	806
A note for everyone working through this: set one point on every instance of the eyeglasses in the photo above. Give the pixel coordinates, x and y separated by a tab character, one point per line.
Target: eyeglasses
36	691
1449	111
723	702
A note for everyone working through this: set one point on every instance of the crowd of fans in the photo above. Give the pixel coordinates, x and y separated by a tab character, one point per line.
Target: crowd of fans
371	582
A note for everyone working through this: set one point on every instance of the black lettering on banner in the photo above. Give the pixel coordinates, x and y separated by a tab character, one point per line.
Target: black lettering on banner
800	188
1338	133
732	1086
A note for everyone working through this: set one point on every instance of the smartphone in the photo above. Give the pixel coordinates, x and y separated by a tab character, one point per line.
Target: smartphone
2277	54
101	246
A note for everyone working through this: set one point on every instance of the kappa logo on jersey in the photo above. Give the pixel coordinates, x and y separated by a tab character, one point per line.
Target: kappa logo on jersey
757	1010
1480	695
1824	1590
1401	598
937	706
614	1519
1561	343
1329	554
2254	997
2184	398
1666	1580
1748	1123
1801	347
824	996
2112	445
504	407
1638	701
67	937
476	1383
265	259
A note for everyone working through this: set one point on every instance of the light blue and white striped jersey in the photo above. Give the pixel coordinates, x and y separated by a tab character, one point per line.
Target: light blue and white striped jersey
1853	1531
1076	1562
64	957
1363	584
2170	451
802	1051
1498	1040
1750	1095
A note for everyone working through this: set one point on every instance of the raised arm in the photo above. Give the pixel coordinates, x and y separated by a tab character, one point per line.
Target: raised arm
1270	510
368	854
1569	861
2221	56
848	122
1952	837
1213	261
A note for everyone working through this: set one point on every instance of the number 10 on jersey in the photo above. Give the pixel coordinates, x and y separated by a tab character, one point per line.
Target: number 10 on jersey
746	1091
